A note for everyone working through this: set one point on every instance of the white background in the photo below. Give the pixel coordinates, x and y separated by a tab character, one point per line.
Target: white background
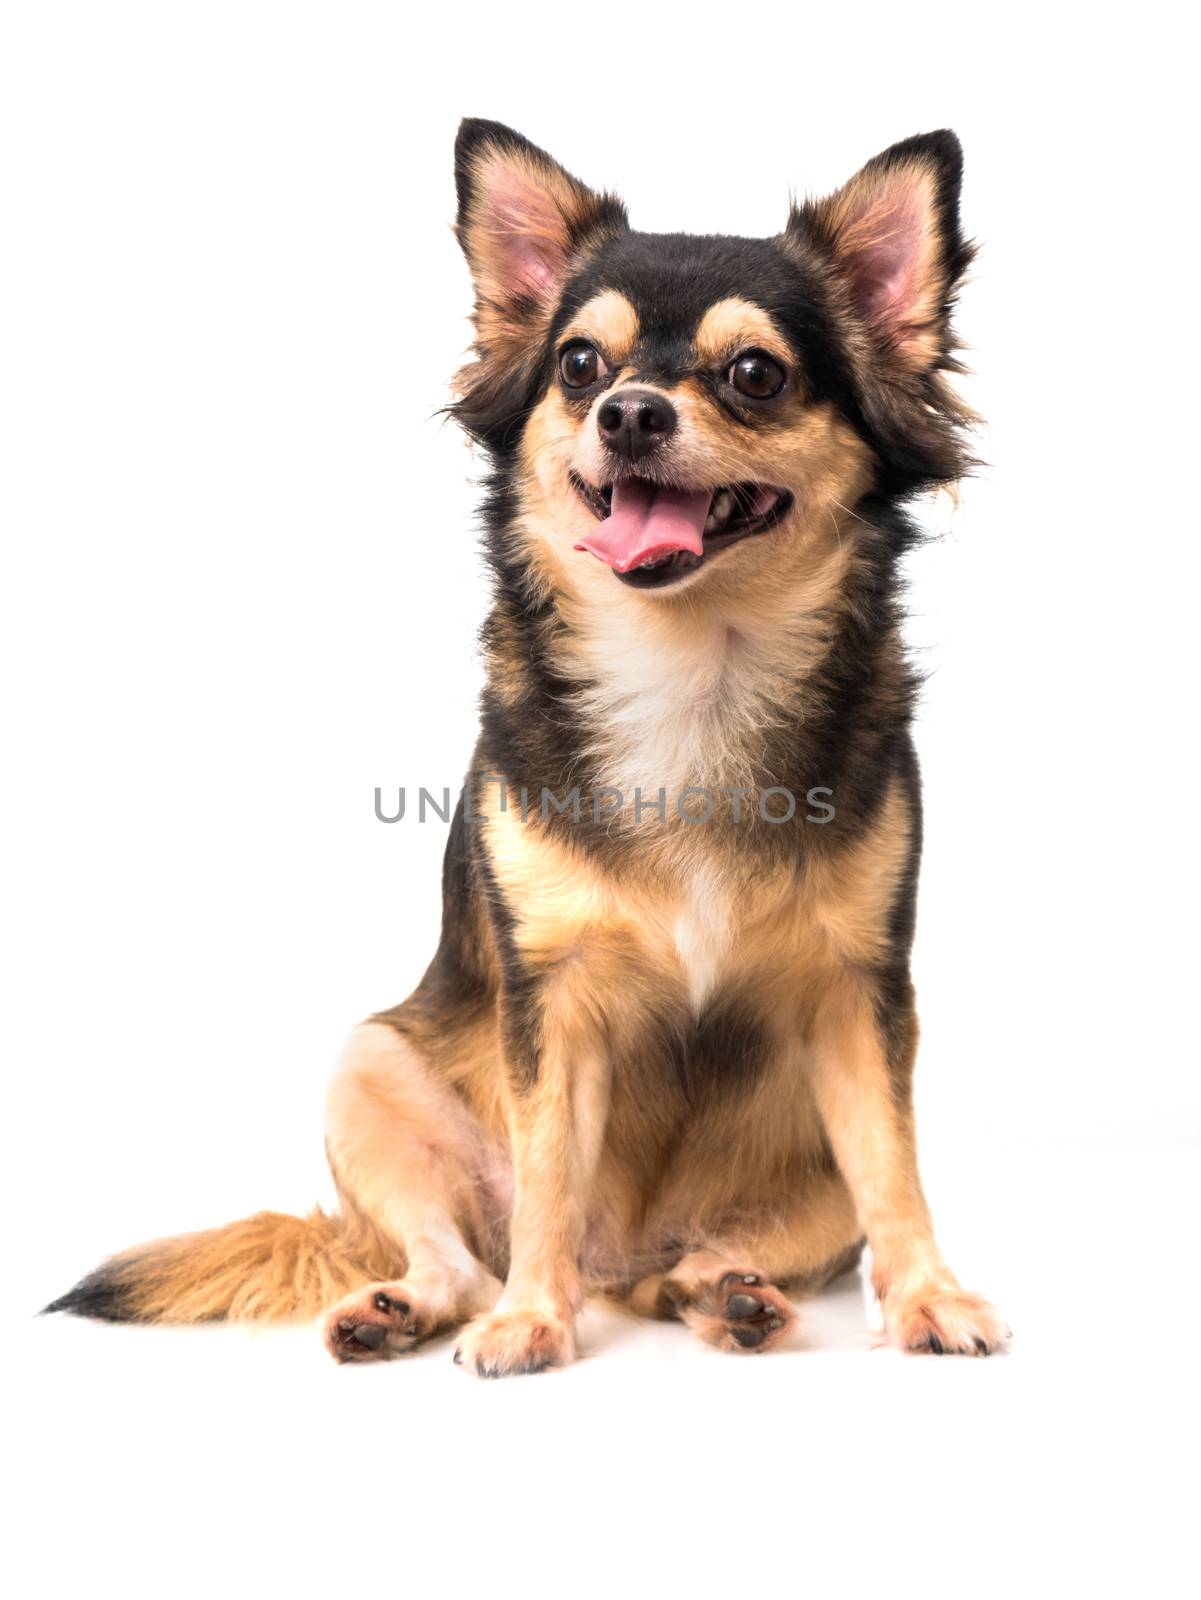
240	590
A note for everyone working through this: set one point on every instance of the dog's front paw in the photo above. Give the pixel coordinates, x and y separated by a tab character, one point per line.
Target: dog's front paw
506	1342
945	1322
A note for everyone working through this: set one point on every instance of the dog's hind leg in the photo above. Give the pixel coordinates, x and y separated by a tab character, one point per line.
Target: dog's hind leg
408	1157
730	1289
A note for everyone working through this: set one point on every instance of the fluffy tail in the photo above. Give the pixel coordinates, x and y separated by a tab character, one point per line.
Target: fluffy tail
268	1268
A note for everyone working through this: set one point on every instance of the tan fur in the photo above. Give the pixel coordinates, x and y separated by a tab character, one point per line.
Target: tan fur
873	1141
404	1150
387	1111
608	321
602	935
267	1268
732	325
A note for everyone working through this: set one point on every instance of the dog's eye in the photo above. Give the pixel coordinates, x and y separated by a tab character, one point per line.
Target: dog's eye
757	375
581	365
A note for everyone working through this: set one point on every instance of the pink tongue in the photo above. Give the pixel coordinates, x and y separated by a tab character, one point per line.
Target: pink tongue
647	522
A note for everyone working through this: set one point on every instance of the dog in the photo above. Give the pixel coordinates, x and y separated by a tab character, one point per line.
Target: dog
665	1048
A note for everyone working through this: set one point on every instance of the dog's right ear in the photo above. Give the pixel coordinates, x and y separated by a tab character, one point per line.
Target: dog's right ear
522	221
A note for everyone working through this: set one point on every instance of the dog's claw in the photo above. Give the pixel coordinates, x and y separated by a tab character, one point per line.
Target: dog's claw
385	1302
750	1278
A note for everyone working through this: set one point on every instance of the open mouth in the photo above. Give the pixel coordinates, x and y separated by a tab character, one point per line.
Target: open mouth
652	536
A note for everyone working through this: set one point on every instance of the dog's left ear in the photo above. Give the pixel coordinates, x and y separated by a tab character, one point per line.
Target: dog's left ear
892	236
522	221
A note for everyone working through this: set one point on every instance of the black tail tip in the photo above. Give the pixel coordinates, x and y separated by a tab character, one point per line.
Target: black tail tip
101	1296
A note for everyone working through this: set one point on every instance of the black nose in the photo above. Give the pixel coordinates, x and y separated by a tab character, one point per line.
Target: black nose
633	421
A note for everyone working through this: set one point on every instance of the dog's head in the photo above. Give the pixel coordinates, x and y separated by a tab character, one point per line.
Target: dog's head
685	410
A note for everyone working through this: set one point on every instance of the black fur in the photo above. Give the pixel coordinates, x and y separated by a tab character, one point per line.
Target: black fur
101	1295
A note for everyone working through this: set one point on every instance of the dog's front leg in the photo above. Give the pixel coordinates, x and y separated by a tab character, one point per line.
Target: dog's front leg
863	1060
559	1092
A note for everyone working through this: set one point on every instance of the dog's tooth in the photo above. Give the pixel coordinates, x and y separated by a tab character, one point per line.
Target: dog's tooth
723	506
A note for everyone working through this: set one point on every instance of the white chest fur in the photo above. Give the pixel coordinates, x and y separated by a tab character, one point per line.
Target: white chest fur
670	709
703	931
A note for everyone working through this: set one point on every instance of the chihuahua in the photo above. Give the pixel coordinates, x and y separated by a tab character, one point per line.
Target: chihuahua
665	1048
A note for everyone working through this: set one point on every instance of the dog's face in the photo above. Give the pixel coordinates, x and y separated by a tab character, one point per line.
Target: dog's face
685	411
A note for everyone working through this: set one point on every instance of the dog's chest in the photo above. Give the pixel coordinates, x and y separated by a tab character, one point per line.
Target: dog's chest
703	934
665	715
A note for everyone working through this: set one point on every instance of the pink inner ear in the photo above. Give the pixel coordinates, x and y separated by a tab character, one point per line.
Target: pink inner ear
527	234
886	247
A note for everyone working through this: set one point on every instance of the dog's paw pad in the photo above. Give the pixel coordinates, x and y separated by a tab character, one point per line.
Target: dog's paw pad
374	1324
741	1312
